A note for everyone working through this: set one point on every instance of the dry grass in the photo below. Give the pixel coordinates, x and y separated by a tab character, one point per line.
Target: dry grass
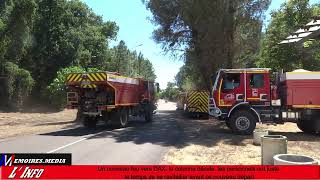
13	124
211	142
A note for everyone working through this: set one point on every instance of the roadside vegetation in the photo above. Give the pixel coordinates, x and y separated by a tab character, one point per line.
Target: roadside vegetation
42	40
170	92
208	35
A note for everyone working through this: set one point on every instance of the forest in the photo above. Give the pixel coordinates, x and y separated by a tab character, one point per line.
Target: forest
208	35
43	40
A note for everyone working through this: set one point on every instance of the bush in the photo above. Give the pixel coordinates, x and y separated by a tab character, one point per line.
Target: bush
17	85
56	91
170	93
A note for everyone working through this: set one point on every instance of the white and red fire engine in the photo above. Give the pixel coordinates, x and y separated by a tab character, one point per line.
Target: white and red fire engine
243	97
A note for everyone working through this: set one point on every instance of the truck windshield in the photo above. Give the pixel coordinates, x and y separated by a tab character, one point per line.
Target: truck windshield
215	80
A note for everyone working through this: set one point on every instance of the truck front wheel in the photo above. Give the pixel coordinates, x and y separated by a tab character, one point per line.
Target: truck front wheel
242	122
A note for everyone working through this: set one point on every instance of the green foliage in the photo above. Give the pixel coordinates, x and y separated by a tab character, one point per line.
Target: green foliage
170	93
56	91
16	85
184	80
16	19
50	38
129	63
67	33
292	15
212	34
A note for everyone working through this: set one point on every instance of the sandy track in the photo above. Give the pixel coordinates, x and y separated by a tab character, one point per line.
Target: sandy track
211	142
14	124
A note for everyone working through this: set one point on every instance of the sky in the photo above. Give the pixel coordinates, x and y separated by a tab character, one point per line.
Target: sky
132	17
135	29
275	5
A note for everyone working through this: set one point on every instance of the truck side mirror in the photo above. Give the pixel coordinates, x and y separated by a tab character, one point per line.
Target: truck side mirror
157	87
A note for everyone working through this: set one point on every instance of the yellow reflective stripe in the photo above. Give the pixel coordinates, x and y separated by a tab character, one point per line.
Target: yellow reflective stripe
90	77
306	106
94	77
253	98
104	76
69	76
197	101
219	96
314	72
73	76
77	77
219	91
89	86
99	77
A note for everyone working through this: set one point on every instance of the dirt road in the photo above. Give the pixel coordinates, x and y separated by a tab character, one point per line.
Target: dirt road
140	143
170	139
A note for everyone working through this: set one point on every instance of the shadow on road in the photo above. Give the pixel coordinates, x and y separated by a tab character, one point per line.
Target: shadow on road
56	123
171	128
164	130
79	131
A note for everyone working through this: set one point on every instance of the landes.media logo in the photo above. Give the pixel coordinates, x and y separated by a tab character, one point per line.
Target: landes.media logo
14	159
19	172
7	159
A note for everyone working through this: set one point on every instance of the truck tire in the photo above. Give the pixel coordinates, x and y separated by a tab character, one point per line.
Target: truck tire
306	126
148	113
120	118
243	122
125	117
90	122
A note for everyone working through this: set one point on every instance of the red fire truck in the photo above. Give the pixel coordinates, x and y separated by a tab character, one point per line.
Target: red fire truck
243	97
109	97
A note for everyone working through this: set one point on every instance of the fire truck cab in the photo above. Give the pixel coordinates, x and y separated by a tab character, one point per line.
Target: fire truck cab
242	97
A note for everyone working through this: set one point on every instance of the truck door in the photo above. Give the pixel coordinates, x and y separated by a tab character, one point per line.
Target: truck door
258	88
231	89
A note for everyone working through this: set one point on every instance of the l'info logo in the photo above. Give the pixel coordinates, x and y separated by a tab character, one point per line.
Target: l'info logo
34	159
